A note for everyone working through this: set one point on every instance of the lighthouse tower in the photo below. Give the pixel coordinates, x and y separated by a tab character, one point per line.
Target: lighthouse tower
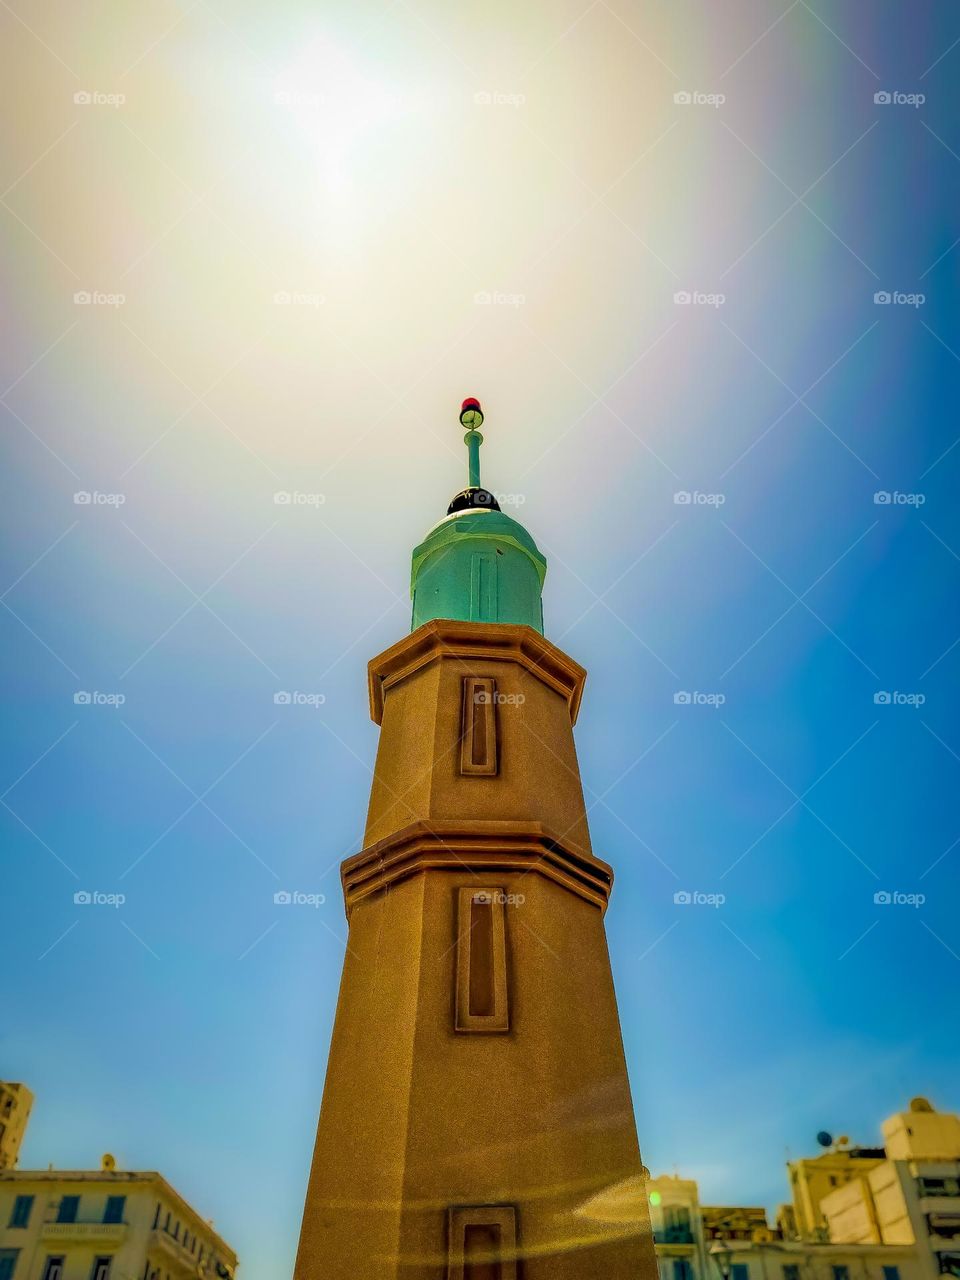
476	1121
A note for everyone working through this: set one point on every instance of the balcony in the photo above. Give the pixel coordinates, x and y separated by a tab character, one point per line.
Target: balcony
673	1235
112	1233
181	1261
186	1262
939	1203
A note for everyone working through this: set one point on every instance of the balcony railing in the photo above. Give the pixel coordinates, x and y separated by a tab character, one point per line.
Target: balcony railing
185	1262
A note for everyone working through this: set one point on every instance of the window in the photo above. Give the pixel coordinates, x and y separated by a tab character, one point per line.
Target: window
891	1273
53	1268
841	1271
114	1210
20	1216
938	1186
101	1269
481	961
478	729
482	1243
791	1271
156	1216
740	1271
676	1226
8	1261
682	1269
68	1211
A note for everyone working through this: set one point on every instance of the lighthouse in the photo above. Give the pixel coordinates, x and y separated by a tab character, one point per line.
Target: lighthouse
476	1120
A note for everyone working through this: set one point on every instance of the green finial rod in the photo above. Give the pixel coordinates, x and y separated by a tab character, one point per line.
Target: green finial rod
471	417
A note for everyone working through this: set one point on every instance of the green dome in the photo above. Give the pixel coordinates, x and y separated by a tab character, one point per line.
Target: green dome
478	565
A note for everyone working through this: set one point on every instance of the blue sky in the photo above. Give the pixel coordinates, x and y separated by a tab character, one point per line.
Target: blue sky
186	1030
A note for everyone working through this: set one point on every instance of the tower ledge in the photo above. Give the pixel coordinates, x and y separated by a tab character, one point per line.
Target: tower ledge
505	642
472	847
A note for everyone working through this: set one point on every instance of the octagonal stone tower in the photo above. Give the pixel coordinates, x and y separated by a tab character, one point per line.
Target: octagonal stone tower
476	1121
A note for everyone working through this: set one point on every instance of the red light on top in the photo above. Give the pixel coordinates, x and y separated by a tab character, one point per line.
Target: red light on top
471	415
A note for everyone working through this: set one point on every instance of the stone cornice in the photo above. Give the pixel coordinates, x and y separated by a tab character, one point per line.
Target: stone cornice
488	641
487	847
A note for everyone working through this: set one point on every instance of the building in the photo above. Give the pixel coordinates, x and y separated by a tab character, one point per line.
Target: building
857	1213
910	1198
811	1260
476	1120
813	1179
15	1103
104	1225
677	1223
738	1222
704	1242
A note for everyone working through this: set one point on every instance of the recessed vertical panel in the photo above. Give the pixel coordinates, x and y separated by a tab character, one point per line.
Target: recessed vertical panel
478	726
482	1242
481	961
483	587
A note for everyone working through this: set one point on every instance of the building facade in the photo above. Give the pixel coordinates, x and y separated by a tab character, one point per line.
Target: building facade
910	1198
104	1225
856	1213
16	1101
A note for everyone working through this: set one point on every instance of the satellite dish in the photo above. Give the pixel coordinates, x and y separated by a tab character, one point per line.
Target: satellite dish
824	1138
108	1163
843	1141
920	1104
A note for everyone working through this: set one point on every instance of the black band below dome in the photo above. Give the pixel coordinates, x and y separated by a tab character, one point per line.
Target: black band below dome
473	500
